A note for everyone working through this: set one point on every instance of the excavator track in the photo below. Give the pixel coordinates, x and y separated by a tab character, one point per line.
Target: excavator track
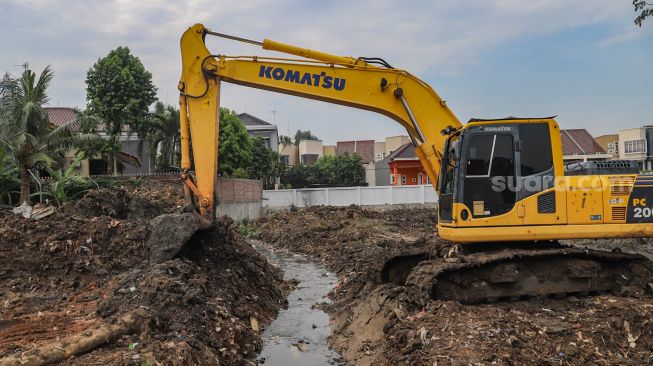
514	274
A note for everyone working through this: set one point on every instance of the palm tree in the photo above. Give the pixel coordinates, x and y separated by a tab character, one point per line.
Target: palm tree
25	131
165	135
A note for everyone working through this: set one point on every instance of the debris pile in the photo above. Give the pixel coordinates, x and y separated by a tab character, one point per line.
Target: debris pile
85	274
376	323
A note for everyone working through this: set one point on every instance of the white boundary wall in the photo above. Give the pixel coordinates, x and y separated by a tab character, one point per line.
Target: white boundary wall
345	196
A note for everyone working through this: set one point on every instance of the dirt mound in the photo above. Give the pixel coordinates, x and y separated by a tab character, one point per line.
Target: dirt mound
376	323
119	203
69	276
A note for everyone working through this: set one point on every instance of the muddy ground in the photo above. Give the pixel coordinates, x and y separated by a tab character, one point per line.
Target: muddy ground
82	280
377	323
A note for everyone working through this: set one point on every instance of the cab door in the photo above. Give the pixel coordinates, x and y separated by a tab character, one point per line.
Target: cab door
487	175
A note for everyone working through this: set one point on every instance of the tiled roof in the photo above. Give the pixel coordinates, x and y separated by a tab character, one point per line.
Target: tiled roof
405	151
579	142
249	120
59	116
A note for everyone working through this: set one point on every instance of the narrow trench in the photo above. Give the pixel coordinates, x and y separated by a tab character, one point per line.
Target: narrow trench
299	334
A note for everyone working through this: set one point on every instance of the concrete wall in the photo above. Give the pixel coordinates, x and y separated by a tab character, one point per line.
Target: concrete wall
370	174
382	172
345	196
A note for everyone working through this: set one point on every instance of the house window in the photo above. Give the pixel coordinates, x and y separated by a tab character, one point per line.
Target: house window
428	180
414	180
285	160
635	146
403	180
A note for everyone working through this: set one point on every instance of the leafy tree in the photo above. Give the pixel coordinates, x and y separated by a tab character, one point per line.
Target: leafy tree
92	124
342	170
284	141
304	135
304	176
334	171
66	184
119	91
235	146
25	131
164	134
9	182
644	9
266	164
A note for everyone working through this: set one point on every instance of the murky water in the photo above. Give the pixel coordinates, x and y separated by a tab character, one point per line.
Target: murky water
299	334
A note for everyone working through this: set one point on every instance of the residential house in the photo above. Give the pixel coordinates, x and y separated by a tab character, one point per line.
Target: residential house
310	151
637	144
257	127
579	145
405	167
609	143
134	157
289	155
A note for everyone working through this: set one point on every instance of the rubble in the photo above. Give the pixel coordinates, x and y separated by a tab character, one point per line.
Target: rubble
80	271
376	323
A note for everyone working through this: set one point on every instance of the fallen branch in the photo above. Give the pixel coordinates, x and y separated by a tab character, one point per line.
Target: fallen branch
79	343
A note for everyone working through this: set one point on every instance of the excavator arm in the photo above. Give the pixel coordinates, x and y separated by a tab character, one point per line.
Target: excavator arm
341	80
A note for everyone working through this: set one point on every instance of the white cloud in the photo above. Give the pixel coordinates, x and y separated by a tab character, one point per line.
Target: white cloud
429	38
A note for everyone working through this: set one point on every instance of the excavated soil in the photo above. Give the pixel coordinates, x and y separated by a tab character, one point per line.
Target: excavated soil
86	269
378	323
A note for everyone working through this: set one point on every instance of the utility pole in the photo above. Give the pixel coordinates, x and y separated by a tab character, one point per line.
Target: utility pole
274	115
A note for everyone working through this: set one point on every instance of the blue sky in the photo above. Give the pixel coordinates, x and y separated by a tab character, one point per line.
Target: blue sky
582	60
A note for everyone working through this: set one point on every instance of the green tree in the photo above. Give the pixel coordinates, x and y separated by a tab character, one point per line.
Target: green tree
304	176
235	146
333	171
164	136
25	132
66	184
284	141
348	170
644	9
304	135
266	164
9	182
119	91
342	170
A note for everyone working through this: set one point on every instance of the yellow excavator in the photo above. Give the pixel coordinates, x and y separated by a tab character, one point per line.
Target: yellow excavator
505	194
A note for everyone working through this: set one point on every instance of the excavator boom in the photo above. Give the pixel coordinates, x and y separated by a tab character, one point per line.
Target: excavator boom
335	79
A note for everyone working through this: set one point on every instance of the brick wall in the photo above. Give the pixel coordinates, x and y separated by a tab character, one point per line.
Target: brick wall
231	190
363	148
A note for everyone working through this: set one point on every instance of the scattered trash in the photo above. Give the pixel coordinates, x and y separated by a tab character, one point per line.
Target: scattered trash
37	212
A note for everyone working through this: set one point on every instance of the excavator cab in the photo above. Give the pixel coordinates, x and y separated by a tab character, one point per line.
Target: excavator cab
490	166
